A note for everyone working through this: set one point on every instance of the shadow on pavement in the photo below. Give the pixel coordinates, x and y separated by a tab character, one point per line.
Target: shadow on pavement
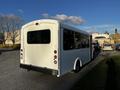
96	53
111	82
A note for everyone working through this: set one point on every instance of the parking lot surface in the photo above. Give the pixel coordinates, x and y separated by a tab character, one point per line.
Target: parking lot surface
12	77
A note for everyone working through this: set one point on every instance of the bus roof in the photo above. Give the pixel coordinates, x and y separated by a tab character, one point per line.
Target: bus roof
41	20
73	28
57	22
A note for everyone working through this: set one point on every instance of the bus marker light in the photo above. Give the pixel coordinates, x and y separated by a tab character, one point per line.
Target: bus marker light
36	23
55	51
55	62
55	57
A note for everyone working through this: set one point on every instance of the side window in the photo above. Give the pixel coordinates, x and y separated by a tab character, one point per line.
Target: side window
81	40
74	40
68	40
78	39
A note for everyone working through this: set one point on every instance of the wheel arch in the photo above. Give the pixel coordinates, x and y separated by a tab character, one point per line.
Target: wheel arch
75	62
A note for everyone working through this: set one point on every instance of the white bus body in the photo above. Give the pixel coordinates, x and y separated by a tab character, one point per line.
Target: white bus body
50	46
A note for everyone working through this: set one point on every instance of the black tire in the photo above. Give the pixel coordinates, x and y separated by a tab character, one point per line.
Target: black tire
77	68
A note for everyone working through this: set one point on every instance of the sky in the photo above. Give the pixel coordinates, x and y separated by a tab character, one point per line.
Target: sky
89	15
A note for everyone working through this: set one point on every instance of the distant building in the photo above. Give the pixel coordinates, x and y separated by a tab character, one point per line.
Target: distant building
9	37
102	38
116	38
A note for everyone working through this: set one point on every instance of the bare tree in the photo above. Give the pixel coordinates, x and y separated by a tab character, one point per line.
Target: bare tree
2	29
9	24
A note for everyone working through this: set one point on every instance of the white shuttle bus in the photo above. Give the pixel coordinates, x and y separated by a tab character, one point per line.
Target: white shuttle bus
50	46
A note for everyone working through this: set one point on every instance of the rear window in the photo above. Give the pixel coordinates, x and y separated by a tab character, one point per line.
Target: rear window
38	37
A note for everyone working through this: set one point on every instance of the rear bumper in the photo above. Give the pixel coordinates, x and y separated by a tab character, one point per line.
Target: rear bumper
39	69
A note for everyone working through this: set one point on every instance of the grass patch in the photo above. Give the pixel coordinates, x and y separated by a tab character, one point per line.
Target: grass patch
16	46
100	78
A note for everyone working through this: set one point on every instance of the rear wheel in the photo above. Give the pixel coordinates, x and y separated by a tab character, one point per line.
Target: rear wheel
77	68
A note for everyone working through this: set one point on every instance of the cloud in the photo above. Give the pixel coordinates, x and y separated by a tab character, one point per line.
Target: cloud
77	20
102	28
20	11
11	16
8	15
45	15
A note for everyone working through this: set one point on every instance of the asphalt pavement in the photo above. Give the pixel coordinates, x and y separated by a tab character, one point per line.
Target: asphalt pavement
12	77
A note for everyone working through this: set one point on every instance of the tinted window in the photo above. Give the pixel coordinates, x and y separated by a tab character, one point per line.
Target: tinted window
74	40
68	41
81	40
38	37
